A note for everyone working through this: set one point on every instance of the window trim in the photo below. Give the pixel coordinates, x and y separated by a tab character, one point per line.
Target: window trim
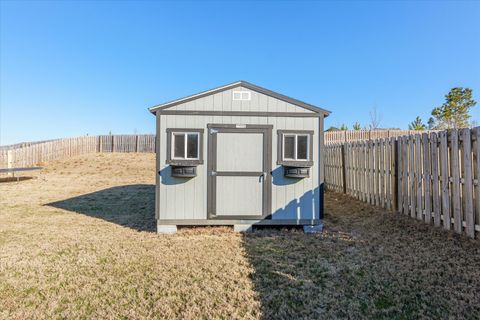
183	161
281	160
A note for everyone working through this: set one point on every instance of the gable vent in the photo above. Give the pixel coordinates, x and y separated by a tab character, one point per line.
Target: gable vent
241	95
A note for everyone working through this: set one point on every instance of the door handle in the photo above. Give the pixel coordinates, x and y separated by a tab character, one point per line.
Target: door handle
262	177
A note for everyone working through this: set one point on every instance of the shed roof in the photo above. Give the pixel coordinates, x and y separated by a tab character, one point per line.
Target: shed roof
244	84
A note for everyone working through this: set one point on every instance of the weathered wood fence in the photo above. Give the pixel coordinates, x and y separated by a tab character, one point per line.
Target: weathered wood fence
22	144
37	153
31	153
432	176
332	137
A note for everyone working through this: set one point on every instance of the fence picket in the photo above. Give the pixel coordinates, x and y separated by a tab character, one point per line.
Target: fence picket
399	170
444	162
418	175
426	178
406	176
455	170
412	175
468	183
388	173
476	172
435	181
371	167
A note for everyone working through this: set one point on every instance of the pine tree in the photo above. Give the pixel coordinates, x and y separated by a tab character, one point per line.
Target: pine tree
357	126
454	113
417	125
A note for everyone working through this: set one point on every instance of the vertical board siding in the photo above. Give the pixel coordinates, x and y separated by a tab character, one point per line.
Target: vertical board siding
291	199
223	101
433	176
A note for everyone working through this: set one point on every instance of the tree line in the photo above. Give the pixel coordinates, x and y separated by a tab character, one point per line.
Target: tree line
453	113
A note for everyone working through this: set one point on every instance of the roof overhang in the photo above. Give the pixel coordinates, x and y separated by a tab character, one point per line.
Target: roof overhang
244	84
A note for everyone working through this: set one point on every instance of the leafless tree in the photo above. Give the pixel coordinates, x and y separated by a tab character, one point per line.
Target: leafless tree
375	119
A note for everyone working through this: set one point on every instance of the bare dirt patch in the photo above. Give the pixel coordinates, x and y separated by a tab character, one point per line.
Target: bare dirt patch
78	242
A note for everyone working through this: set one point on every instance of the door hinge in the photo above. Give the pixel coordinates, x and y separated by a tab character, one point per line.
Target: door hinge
212	131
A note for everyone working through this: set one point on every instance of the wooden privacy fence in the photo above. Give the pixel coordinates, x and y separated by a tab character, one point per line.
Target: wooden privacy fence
333	137
432	176
22	145
30	153
36	153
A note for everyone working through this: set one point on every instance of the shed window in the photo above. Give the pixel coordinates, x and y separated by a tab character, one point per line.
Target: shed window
295	148
241	95
184	146
289	147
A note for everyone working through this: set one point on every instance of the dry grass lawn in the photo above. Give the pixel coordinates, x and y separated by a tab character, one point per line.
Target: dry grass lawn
77	241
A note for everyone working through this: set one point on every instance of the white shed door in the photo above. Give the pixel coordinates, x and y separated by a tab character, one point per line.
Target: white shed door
239	165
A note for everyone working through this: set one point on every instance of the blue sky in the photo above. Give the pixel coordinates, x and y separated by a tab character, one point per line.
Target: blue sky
75	68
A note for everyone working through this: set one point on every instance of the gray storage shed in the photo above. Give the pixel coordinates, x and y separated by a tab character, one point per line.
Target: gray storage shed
238	155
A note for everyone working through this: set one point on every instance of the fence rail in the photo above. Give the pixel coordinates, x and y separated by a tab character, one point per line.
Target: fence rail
433	176
36	153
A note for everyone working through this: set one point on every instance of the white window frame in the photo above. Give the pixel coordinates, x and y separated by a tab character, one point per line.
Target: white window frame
241	95
185	134
295	149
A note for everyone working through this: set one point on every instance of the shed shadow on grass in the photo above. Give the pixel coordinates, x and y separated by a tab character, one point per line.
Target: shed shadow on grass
131	206
288	277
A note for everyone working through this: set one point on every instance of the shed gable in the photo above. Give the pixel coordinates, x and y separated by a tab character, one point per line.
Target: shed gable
230	99
224	101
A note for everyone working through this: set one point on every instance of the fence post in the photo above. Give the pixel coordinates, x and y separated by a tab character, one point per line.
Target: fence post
344	170
395	176
136	143
9	158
